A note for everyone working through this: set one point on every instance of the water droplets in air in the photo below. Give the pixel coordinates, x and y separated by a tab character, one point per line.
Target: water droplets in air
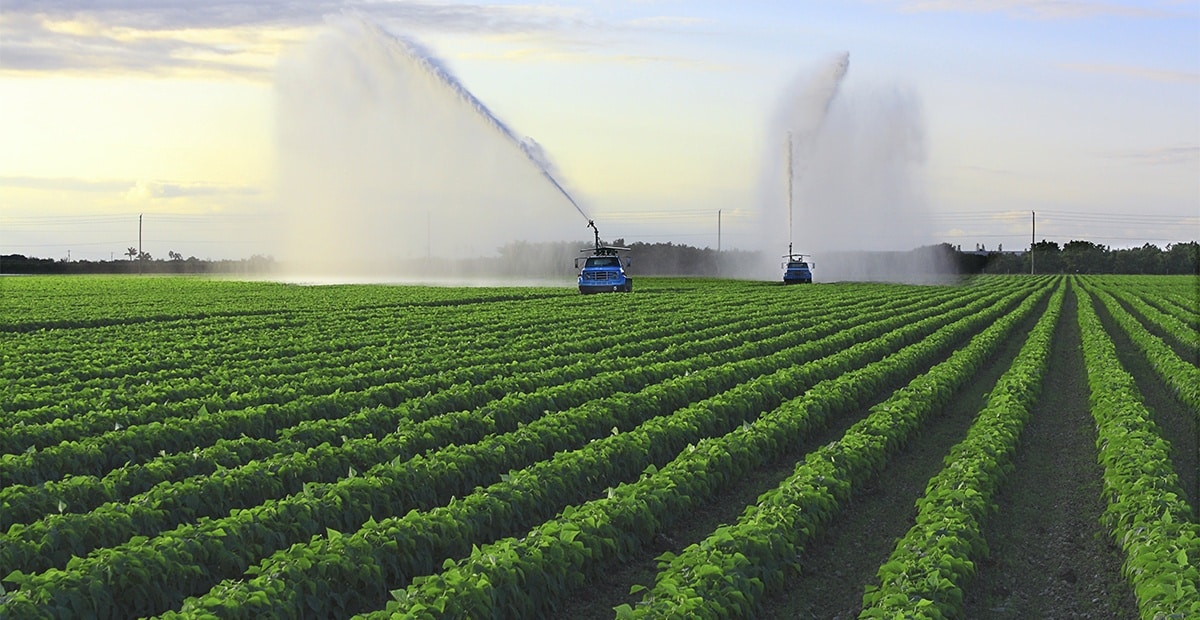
387	162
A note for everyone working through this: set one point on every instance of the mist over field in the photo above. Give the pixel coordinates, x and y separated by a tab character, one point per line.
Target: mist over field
387	163
857	178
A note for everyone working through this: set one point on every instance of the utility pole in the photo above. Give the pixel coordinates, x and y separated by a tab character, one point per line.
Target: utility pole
718	231
1032	238
139	256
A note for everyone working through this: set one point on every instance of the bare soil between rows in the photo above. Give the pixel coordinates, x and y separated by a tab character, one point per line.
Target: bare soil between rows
1050	557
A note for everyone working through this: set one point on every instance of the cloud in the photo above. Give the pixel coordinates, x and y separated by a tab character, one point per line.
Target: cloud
133	190
34	43
63	184
1166	155
670	21
244	38
222	36
576	57
1035	9
163	15
142	191
175	14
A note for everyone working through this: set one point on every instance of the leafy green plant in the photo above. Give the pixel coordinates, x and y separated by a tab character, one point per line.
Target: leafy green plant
1146	514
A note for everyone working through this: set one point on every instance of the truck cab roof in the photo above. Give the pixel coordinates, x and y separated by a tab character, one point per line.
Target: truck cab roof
602	261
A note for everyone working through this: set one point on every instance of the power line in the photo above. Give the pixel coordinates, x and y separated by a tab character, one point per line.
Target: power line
1090	216
189	218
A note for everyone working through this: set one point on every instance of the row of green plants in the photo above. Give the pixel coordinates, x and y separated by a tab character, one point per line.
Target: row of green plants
228	344
926	574
184	424
24	502
1146	514
1172	326
430	422
1175	297
231	351
1181	376
387	554
1178	306
339	341
530	575
729	333
726	574
179	562
135	481
235	358
378	419
448	378
1189	317
51	302
318	358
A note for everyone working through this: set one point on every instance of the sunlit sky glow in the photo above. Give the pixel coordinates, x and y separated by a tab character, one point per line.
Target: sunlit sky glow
654	112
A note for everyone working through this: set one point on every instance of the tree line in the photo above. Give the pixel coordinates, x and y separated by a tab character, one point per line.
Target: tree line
1088	257
525	259
138	263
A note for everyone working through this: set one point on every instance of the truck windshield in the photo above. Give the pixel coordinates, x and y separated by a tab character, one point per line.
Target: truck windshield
604	261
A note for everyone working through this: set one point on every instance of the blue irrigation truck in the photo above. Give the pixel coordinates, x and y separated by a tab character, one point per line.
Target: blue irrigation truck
797	270
603	269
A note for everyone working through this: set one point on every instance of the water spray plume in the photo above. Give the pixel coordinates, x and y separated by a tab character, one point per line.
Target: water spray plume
388	165
856	178
809	116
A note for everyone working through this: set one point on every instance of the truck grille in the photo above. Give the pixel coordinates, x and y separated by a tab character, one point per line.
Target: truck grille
601	276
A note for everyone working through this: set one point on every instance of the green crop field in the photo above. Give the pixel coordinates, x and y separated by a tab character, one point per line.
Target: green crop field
1015	446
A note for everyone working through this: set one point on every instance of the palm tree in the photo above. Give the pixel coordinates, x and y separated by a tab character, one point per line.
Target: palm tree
131	252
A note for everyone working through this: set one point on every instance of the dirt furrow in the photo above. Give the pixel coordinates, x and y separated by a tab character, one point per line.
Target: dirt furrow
1049	555
837	566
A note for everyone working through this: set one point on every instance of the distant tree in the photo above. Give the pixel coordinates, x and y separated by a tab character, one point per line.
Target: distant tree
173	255
1146	259
144	256
1182	258
1047	257
1085	257
131	253
999	263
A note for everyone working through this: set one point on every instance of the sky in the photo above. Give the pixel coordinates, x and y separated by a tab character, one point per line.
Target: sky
655	113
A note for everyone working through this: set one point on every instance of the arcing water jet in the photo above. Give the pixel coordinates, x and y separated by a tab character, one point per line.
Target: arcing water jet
532	150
